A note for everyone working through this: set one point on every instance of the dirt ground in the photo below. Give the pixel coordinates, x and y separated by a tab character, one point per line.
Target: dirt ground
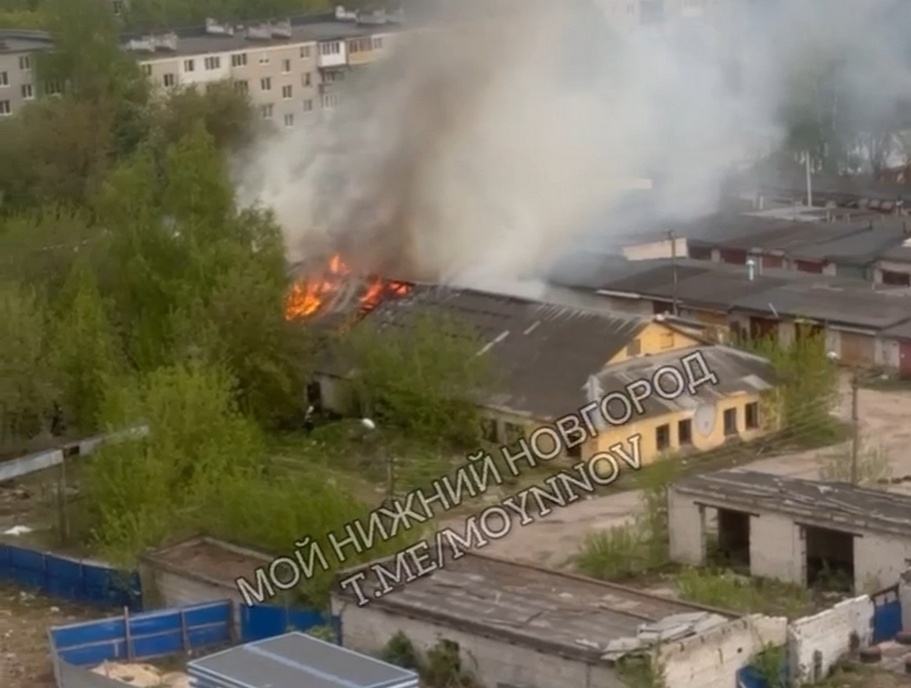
553	540
24	621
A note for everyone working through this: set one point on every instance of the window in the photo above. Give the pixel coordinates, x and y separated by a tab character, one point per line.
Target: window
264	59
265	84
189	65
239	60
289	120
212	62
27	91
332	48
751	413
308	105
147	69
286	66
332	77
241	87
663	437
378	43
4	79
512	433
489	429
169	80
634	348
330	100
5	108
25	62
685	432
52	88
305	52
730	422
267	111
667	340
286	92
305	79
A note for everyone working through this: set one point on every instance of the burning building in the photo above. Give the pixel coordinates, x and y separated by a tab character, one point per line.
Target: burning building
337	290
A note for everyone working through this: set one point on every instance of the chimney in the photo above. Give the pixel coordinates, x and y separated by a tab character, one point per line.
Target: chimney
751	269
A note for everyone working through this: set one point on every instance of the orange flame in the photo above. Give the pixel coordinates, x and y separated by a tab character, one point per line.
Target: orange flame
306	297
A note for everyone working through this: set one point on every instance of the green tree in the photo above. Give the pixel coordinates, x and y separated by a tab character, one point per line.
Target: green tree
807	389
86	350
422	378
226	113
26	383
142	491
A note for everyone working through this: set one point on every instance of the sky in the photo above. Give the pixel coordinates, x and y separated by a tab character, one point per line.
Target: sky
510	133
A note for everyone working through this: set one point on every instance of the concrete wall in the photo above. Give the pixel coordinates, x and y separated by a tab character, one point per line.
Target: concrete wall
828	633
712	659
162	589
367	629
687	530
776	549
879	561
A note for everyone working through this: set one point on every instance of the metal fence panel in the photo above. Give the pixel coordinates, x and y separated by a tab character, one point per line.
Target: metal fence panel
145	635
70	579
266	621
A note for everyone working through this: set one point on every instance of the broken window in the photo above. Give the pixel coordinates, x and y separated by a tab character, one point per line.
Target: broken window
662	437
730	422
752	415
685	432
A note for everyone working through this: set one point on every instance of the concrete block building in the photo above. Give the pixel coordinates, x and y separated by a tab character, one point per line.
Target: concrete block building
797	531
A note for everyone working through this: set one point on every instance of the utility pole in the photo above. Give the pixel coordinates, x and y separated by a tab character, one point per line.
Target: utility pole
855	427
809	183
673	239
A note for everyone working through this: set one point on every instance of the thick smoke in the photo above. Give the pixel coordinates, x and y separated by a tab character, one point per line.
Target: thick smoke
487	144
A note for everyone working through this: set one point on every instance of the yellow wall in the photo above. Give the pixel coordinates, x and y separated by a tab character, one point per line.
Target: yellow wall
647	427
656	338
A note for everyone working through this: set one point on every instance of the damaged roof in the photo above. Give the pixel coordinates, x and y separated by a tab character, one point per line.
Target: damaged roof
547	610
544	353
838	506
739	372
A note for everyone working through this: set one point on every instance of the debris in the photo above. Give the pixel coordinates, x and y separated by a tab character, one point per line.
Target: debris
17	530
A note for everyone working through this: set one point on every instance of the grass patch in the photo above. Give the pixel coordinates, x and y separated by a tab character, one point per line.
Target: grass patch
730	591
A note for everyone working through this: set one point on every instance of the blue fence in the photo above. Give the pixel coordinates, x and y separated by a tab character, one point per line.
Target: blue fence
144	635
266	621
136	637
70	579
887	614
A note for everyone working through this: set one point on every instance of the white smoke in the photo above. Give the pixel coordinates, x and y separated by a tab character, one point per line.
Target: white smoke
481	149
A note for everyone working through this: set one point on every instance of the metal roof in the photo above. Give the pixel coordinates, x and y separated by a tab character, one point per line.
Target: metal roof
841	506
721	287
739	372
550	611
295	659
543	352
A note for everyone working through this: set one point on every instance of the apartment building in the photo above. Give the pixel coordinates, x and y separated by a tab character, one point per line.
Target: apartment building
293	70
17	57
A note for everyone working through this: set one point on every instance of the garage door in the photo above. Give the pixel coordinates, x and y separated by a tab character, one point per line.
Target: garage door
857	349
904	359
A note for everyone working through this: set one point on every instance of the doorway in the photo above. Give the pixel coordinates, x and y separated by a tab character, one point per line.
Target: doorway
830	559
